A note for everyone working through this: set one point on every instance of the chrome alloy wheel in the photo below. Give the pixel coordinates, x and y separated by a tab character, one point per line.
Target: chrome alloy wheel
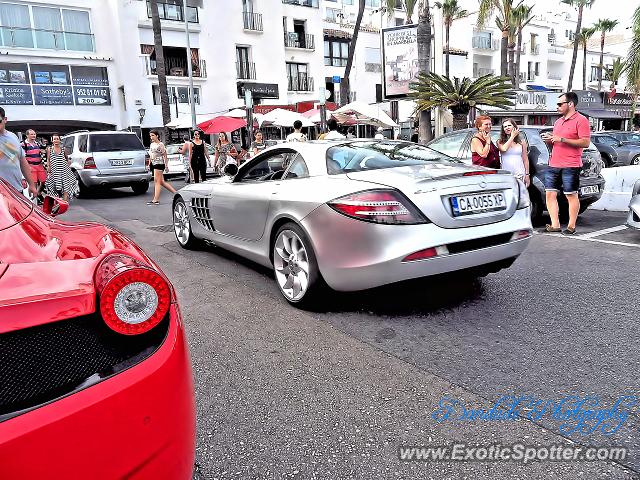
291	264
181	225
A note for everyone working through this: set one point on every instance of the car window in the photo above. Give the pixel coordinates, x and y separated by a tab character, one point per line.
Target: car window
298	168
606	140
267	166
68	144
82	143
356	157
451	145
173	149
115	142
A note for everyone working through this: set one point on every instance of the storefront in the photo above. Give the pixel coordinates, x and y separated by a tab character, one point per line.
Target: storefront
606	111
531	108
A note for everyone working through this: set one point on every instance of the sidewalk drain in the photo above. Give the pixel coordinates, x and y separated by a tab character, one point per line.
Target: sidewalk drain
161	228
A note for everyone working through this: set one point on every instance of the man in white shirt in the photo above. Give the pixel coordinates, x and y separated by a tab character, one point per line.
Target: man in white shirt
379	135
297	135
333	134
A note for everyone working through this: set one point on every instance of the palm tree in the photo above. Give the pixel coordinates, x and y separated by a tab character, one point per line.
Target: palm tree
523	17
450	11
633	64
618	67
585	35
580	4
409	8
461	95
344	83
604	25
424	66
390	8
160	65
504	21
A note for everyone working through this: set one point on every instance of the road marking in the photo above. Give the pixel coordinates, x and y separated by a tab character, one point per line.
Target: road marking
597	233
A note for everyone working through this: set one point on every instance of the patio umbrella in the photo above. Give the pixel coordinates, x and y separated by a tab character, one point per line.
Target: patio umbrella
222	124
363	113
284	118
314	115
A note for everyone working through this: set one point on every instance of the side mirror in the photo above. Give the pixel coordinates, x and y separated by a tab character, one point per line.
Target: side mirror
54	206
230	169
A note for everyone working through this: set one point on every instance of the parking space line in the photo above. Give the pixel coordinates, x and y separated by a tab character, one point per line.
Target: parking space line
605	231
610	242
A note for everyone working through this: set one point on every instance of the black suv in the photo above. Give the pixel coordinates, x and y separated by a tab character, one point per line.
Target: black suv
457	144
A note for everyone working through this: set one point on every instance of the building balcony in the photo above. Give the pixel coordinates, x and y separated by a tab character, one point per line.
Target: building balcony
16	37
300	83
173	11
175	67
481	72
252	21
299	40
246	70
534	50
484	43
302	3
554	76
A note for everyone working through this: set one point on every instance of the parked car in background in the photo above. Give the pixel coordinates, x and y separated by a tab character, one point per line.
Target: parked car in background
614	152
95	374
623	136
457	144
108	159
633	220
177	165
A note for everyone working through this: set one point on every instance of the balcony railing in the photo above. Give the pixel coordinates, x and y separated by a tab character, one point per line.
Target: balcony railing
535	50
246	70
298	40
480	72
484	43
300	83
46	39
557	50
149	68
554	76
252	21
303	3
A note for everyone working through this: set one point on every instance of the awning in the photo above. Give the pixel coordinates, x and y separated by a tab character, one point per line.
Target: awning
600	113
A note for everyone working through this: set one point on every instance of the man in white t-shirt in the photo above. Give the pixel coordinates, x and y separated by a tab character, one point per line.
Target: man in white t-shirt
379	135
333	134
297	135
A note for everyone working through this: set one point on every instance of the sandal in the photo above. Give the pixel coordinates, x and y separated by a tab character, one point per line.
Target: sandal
569	231
551	229
153	203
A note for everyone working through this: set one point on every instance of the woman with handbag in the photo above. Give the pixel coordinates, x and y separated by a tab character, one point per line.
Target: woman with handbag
60	178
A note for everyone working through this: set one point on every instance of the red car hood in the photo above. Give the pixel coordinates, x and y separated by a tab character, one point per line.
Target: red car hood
47	267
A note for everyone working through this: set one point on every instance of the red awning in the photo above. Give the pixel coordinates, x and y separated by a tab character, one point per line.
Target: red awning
222	124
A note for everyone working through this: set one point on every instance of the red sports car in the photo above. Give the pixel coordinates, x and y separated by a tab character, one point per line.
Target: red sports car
95	376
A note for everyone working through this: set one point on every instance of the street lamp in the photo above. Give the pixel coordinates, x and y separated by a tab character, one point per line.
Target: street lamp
141	112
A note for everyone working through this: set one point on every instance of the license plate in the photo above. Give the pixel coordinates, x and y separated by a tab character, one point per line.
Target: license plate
121	162
478	203
589	189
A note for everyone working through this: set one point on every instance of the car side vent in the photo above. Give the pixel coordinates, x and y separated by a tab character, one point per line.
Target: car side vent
200	209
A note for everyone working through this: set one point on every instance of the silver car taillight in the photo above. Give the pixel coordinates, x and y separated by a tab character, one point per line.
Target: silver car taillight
379	206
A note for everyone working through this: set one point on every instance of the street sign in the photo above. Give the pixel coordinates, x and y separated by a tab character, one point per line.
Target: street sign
336	79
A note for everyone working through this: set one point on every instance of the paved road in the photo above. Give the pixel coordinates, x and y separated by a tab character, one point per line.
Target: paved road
284	393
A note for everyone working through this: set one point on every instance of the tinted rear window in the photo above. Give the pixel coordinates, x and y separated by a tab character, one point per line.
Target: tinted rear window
356	157
115	143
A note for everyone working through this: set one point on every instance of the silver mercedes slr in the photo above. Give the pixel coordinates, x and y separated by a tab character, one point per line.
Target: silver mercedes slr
633	220
352	215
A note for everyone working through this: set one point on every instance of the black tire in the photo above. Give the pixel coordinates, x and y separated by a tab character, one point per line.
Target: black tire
184	236
140	188
635	160
83	190
316	286
608	163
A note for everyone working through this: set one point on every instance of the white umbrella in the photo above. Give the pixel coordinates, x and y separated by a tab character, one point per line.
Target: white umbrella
284	118
364	114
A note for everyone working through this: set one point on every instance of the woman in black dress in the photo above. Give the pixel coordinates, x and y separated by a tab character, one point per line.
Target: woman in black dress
199	156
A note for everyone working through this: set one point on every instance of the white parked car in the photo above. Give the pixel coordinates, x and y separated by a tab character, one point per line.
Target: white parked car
177	164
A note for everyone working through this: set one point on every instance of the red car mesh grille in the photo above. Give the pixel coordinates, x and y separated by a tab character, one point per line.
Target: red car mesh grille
43	363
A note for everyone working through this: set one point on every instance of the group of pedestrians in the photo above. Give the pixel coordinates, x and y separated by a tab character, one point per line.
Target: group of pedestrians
571	134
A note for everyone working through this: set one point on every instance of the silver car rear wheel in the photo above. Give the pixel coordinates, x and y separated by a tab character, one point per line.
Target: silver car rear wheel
295	266
182	225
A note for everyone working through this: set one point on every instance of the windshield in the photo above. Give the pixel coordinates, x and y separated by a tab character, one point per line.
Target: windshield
117	142
357	157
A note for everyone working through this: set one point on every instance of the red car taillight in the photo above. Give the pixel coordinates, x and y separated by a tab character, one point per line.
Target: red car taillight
379	206
89	163
479	172
133	297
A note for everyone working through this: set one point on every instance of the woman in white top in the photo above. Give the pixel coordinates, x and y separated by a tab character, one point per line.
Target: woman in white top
159	164
513	151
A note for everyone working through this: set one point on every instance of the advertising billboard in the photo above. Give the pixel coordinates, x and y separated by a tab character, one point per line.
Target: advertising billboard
400	59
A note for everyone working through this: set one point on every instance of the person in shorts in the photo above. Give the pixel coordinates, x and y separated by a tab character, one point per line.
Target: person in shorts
571	134
32	150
